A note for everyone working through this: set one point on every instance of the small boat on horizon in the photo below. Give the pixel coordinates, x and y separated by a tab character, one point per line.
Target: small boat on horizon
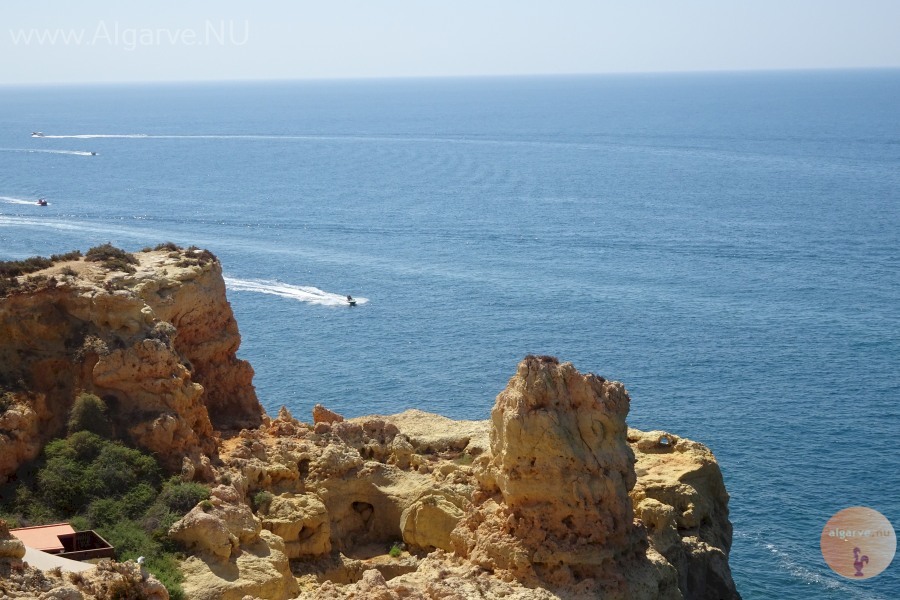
41	202
350	300
37	134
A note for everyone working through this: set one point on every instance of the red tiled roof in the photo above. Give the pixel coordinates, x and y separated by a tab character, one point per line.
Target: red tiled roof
43	537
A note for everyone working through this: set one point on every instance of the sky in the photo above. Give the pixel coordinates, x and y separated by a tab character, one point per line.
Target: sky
60	41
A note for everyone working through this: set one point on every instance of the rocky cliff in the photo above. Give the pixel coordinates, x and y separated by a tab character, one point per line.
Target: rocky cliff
158	345
553	497
552	504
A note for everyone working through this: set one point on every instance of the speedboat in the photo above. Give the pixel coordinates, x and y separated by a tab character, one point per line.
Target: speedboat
350	300
37	134
41	202
93	154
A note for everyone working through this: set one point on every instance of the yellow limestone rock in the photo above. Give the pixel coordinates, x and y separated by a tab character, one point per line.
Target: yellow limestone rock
680	497
302	521
554	505
158	345
427	522
206	534
11	548
233	557
260	569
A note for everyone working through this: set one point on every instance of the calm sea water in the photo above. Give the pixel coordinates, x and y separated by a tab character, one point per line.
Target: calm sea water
727	245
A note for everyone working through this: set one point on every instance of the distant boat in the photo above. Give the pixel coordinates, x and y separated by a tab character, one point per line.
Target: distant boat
93	154
350	300
37	134
41	202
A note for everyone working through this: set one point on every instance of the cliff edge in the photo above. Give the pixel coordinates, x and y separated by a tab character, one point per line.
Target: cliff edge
553	497
157	344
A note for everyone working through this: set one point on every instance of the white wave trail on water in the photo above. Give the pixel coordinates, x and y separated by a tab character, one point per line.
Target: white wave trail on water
800	568
288	136
91	136
308	294
11	200
30	150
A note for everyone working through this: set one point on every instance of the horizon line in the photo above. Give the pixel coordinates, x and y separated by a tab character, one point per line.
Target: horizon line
374	78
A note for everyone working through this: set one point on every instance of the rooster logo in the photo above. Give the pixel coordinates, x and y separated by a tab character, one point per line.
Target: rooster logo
859	561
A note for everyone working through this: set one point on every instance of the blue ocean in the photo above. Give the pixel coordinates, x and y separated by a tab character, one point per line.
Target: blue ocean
727	245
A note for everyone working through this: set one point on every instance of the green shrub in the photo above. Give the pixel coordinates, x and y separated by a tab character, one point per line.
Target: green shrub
15	268
85	467
117	469
95	483
89	414
106	251
396	551
180	497
131	541
262	500
8	285
80	523
113	259
165	567
12	521
158	520
84	446
170	246
105	512
193	256
68	256
10	269
138	499
117	264
60	484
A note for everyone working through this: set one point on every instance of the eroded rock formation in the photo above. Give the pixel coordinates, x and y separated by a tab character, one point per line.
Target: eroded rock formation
542	501
553	502
157	345
552	498
11	548
680	496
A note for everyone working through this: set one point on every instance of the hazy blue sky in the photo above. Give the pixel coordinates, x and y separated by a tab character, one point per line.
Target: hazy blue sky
99	40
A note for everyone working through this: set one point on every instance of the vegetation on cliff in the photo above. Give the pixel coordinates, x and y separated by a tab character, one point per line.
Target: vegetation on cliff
11	270
112	258
15	268
102	484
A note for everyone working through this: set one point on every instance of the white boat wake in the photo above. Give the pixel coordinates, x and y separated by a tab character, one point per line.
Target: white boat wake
91	136
30	151
308	294
10	200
